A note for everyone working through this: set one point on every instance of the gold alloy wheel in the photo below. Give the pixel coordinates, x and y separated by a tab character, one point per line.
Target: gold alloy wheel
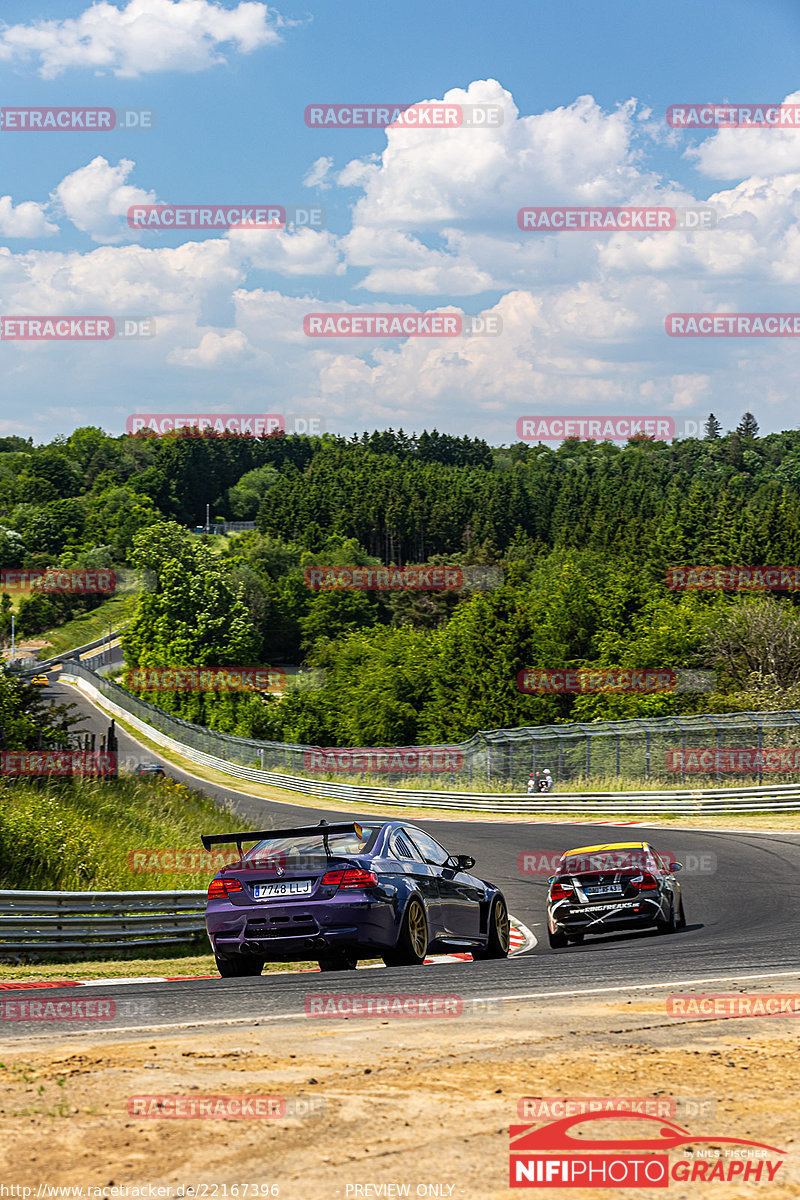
501	923
417	929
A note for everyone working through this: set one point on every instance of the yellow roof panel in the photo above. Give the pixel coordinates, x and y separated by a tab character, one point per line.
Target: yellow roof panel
607	846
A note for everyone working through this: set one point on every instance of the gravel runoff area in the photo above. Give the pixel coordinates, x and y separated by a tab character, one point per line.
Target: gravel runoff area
394	1106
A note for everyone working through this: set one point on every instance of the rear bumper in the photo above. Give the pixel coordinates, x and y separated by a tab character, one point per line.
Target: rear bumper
599	918
295	931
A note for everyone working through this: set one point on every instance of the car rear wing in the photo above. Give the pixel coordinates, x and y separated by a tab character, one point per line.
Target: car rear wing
323	830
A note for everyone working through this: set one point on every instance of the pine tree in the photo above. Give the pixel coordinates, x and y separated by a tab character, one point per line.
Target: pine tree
748	426
713	428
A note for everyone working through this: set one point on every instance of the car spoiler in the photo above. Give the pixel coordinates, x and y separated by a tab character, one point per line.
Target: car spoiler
221	839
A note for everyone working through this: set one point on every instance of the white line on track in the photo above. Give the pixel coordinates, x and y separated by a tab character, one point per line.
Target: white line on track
296	1016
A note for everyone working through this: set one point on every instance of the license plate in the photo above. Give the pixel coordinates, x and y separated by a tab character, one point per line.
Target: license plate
290	887
603	891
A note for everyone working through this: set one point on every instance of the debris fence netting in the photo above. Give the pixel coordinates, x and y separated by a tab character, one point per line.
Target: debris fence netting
732	749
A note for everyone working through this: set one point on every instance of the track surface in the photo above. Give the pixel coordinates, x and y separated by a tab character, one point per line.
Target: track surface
742	921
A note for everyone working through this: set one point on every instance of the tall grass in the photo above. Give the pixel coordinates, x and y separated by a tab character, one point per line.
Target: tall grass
87	627
78	835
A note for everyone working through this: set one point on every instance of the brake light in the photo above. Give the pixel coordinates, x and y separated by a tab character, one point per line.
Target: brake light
223	887
645	883
561	891
351	877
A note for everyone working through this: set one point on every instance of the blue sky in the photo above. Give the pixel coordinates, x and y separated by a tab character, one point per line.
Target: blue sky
416	220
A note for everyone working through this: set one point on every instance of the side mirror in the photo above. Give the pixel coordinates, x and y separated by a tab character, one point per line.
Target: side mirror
676	867
464	862
550	880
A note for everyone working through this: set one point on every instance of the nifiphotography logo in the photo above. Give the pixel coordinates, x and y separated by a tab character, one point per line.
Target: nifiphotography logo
557	1155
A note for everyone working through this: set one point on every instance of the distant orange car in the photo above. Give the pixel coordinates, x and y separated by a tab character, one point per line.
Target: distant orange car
41	680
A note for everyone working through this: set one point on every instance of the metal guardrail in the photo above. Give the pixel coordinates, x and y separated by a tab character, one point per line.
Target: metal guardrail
45	664
780	797
86	921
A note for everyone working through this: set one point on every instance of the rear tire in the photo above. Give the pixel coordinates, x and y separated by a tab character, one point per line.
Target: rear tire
681	916
556	940
243	964
498	940
342	960
671	923
412	942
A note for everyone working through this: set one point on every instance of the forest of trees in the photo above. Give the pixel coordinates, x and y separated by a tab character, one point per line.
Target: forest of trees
583	535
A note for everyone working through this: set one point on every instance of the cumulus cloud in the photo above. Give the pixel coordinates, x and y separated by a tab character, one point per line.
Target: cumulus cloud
25	220
435	217
96	199
738	152
302	252
142	37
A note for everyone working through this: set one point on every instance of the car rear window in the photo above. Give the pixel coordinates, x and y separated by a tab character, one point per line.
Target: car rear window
311	845
605	860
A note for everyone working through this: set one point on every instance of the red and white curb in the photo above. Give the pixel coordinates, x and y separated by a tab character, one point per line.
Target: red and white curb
520	937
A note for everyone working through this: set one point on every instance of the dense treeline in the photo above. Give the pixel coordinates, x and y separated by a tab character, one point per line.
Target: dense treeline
583	535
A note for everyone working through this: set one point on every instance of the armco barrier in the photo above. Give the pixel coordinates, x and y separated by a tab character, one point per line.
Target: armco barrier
116	701
85	921
45	664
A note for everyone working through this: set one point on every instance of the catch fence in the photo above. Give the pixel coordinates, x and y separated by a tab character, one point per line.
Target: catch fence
733	749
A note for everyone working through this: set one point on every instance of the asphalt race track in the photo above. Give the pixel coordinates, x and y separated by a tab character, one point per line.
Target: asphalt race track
743	919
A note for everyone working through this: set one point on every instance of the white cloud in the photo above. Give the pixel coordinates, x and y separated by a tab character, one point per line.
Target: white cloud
96	199
583	314
142	37
25	220
739	152
213	350
303	252
317	174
